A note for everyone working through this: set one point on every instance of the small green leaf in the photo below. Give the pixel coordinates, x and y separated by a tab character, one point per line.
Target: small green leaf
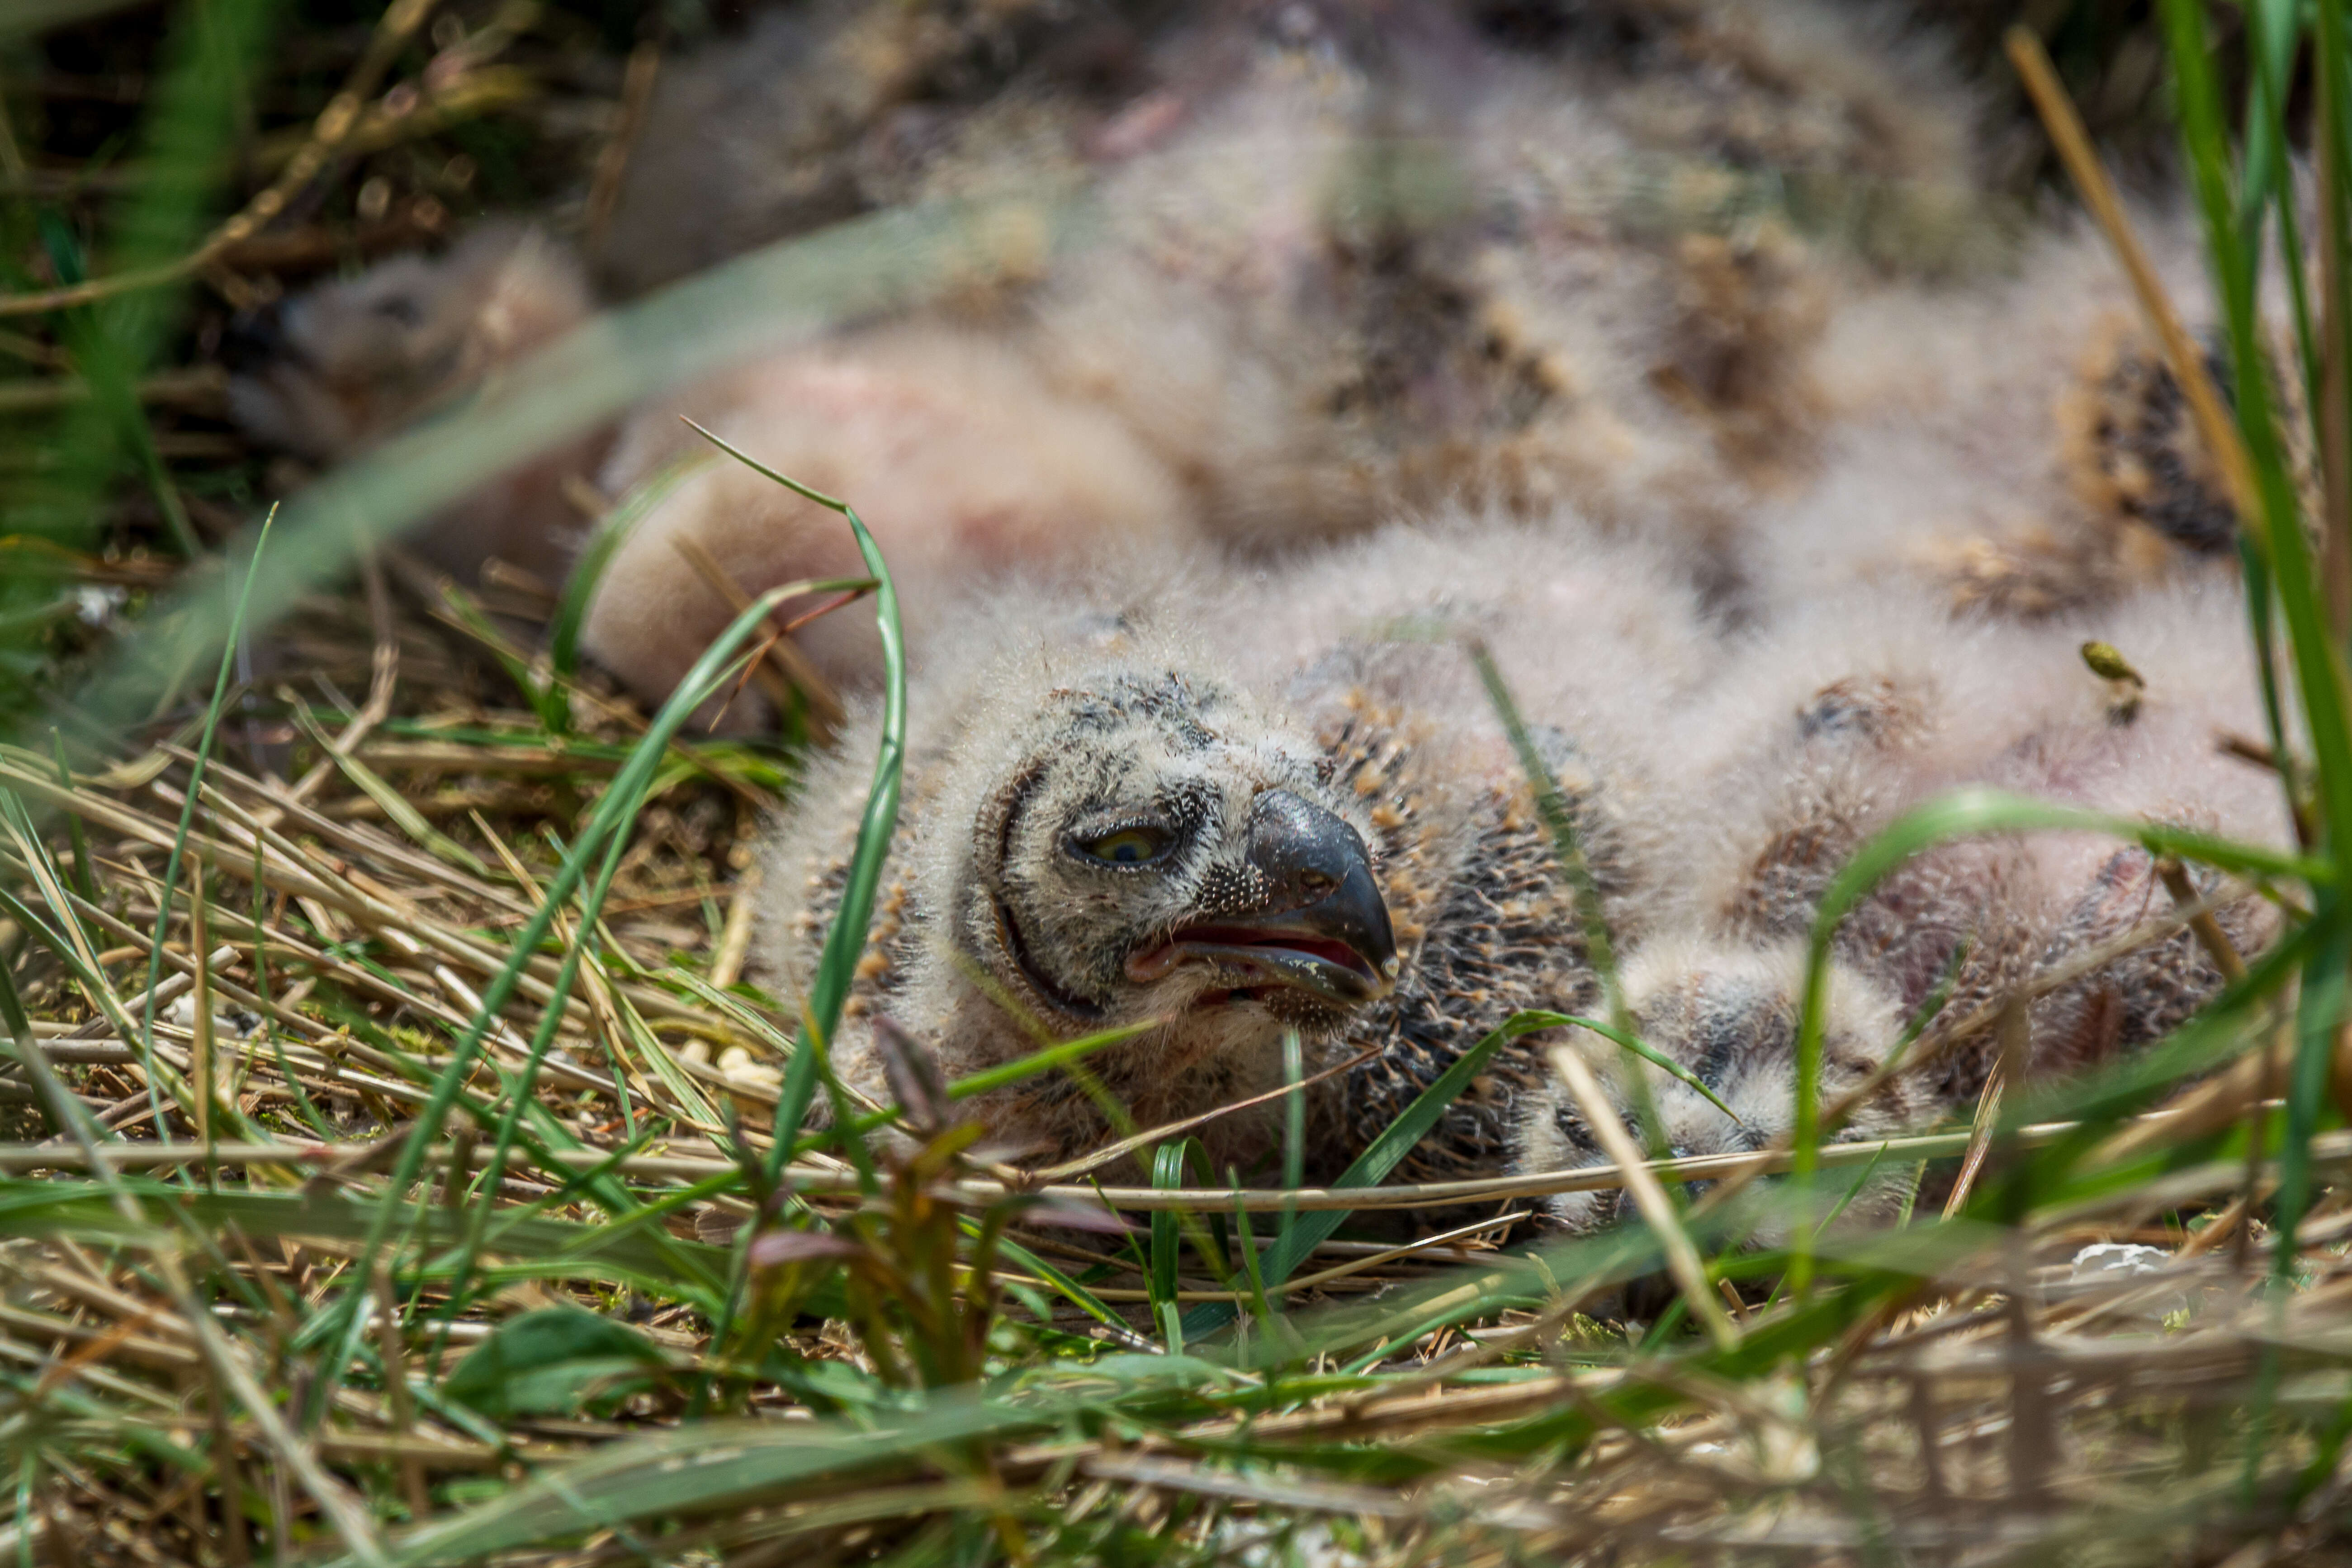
555	1361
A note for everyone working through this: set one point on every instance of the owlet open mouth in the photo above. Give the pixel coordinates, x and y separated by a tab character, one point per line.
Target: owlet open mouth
1336	945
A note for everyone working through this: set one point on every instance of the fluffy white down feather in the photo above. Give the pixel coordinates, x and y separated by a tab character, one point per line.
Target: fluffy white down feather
1702	751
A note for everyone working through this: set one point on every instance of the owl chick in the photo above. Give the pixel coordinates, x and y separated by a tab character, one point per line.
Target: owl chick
1873	706
1728	1014
1534	258
962	458
1285	805
1647	263
963	461
2012	442
1225	812
343	366
1339	262
1800	771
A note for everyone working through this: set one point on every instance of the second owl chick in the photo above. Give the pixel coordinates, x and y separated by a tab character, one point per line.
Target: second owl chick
956	451
1825	733
957	456
2014	442
341	367
1728	1014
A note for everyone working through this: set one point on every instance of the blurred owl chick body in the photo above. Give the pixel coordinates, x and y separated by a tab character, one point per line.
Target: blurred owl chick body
1871	707
1827	730
352	362
961	460
2013	442
957	452
1334	263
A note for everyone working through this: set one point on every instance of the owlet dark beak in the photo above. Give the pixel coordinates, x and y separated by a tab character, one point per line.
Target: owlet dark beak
1321	925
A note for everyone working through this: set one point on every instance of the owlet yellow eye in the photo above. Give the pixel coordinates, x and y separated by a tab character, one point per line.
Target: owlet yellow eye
1127	847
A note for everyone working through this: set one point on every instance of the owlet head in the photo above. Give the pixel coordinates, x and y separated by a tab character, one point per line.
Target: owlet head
1159	848
1729	1018
346	362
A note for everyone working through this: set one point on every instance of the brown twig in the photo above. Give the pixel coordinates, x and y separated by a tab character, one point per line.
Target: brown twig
612	158
384	679
1980	1130
2200	915
735	936
794	665
1657	1210
395	1384
2188	366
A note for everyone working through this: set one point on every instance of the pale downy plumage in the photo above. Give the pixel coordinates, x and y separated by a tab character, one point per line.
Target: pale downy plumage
2013	441
962	462
1337	262
1444	255
1164	803
1308	783
1658	265
1728	1014
812	113
337	369
1864	705
957	452
1870	703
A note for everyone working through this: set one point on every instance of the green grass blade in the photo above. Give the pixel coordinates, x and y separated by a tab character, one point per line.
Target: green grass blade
685	1088
1959	814
549	702
1294	1135
2270	37
187	819
2318	654
1651	1055
845	939
2319	1018
1252	1265
609	822
394	805
1077	1294
1375	1162
707	1465
83	881
611	534
2318	661
1168	1163
1043	1059
1559	822
520	1094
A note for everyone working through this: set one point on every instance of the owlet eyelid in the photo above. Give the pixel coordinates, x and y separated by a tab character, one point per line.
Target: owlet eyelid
1127	847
